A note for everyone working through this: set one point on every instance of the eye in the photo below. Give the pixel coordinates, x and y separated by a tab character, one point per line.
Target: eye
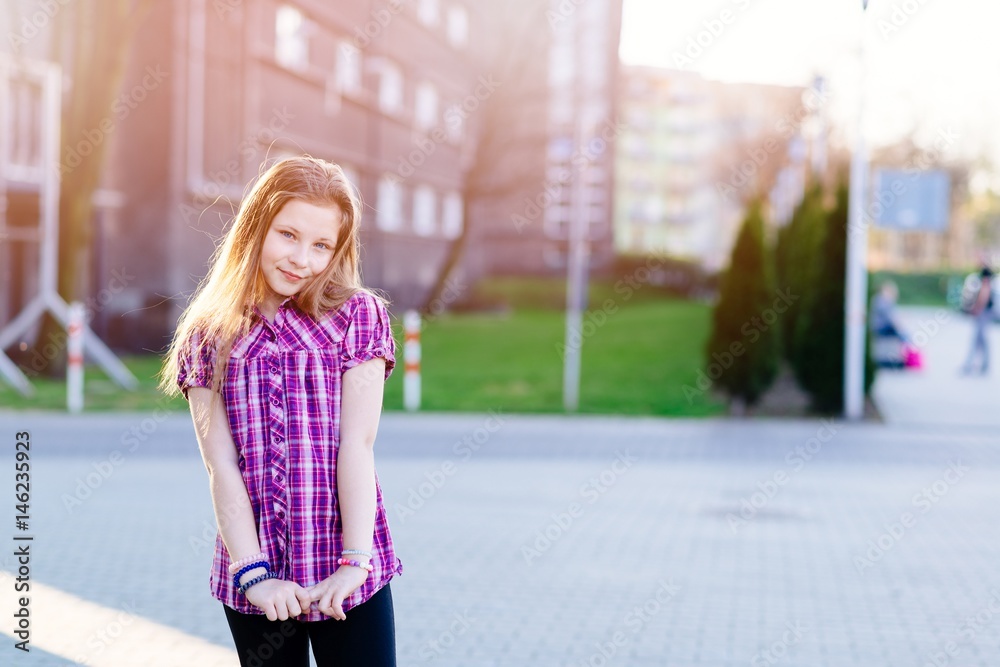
322	246
287	235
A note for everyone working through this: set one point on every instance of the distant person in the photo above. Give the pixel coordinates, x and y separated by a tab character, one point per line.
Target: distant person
282	355
883	315
981	310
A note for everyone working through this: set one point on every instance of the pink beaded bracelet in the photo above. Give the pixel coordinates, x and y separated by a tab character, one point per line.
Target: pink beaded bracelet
355	563
234	567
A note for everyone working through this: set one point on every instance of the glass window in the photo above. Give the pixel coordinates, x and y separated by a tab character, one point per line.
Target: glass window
458	26
454	119
424	210
426	112
429	12
389	216
451	217
291	43
390	92
348	68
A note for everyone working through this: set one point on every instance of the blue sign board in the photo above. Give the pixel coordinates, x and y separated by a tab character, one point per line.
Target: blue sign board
911	200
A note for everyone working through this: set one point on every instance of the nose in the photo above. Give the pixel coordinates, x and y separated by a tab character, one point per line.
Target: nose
298	256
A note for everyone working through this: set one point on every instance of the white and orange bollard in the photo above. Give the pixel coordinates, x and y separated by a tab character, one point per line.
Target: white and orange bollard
74	353
411	357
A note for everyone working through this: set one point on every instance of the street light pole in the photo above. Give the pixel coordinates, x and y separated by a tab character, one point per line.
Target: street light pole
856	288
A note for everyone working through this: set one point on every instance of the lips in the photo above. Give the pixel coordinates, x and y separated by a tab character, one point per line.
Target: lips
290	277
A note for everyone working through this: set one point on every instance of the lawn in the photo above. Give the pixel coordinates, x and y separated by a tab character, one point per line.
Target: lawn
638	354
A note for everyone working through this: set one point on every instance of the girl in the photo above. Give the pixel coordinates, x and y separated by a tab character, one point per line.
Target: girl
282	356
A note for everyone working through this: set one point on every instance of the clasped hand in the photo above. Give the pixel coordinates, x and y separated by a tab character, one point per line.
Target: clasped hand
280	599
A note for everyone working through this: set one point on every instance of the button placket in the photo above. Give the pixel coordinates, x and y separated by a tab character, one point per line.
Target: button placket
279	452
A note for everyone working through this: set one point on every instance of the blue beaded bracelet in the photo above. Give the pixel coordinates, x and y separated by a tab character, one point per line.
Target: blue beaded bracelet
252	566
257	580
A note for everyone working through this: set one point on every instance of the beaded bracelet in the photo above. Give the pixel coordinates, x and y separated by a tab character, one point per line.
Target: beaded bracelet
355	563
246	561
257	580
355	552
252	566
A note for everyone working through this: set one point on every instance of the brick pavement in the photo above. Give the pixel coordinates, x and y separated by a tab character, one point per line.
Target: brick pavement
546	563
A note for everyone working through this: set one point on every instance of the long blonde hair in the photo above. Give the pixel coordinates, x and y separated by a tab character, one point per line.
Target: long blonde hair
222	308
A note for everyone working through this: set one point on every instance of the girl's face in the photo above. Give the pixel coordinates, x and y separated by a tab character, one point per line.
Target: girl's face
298	246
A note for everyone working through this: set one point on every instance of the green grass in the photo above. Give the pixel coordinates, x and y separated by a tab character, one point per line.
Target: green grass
637	362
636	359
923	289
100	393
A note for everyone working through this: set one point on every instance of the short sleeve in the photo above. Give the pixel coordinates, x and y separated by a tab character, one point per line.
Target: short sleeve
195	364
369	335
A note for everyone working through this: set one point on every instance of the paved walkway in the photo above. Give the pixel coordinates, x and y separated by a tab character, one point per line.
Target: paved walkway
554	541
939	395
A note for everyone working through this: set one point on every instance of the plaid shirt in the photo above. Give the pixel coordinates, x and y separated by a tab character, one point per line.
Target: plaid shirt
282	397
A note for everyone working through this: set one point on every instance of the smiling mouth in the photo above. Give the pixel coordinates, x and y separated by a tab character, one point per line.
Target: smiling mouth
291	276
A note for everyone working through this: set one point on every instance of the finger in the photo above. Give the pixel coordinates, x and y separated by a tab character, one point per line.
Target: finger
294	609
282	610
270	612
338	607
324	603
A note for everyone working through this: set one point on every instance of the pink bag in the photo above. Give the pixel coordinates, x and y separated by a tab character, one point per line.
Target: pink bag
912	357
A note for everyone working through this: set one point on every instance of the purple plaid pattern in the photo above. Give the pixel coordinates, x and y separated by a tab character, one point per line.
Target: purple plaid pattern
282	397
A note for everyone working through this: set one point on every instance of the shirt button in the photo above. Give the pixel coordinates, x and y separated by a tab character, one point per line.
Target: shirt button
274	369
275	402
277	439
280	514
278	477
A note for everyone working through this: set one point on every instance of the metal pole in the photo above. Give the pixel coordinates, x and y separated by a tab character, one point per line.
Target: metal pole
576	260
856	288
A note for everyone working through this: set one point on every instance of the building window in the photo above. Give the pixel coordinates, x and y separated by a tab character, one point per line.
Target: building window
458	26
424	210
454	120
452	220
389	216
390	90
348	69
429	12
426	106
291	43
353	177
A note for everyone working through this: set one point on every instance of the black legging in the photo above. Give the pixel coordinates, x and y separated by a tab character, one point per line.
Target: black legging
367	637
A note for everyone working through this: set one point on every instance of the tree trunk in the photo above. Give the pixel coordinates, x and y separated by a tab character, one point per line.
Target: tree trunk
456	251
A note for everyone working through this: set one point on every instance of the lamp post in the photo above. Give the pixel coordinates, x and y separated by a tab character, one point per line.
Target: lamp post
856	287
